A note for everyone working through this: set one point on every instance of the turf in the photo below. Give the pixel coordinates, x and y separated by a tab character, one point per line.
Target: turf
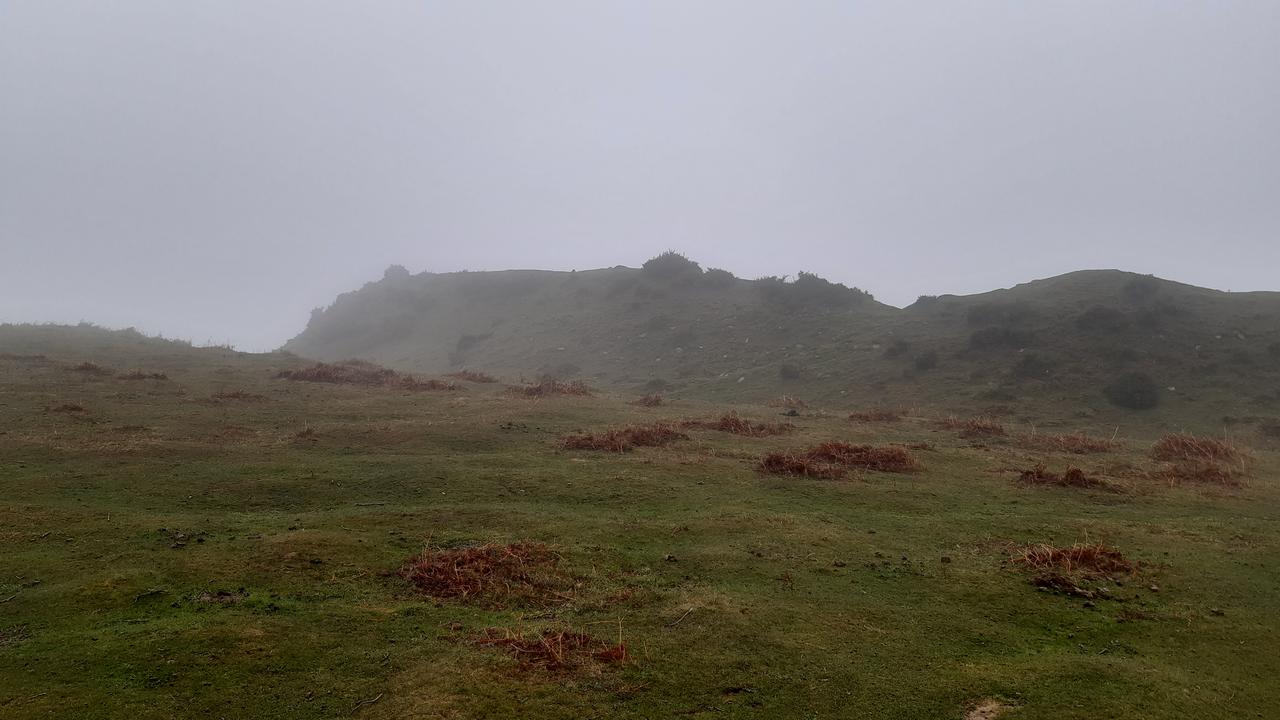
224	543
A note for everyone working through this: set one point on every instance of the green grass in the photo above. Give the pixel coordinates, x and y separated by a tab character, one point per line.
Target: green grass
784	598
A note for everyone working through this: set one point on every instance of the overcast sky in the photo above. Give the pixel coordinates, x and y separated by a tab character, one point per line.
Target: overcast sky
214	169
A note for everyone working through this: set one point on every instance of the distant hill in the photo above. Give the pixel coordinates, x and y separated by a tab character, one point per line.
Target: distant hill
1098	344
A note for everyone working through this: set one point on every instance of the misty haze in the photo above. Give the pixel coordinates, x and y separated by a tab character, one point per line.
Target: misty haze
639	360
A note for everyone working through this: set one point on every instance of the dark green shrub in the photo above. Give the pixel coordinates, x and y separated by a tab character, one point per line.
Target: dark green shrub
671	265
1102	319
809	291
1004	314
1133	390
999	337
926	361
717	278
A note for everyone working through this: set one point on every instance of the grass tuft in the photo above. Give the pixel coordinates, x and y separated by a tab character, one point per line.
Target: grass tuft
624	438
731	423
490	575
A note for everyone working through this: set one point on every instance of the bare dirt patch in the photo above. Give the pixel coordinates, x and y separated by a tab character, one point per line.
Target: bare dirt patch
986	710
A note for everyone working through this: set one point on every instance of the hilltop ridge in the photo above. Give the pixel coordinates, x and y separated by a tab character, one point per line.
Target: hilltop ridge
1105	343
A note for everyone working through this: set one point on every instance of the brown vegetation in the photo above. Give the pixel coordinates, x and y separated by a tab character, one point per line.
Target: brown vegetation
1087	559
1185	446
1072	477
89	368
876	415
491	575
360	372
974	427
554	650
624	438
793	464
653	400
473	376
68	408
142	375
731	423
889	458
238	395
550	387
1074	443
1199	472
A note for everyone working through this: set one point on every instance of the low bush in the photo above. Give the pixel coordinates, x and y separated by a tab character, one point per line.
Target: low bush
1071	477
671	265
974	427
474	376
491	575
549	387
624	439
558	650
1133	391
733	424
1185	446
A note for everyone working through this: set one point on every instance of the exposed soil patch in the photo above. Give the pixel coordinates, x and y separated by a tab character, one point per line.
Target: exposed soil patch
1072	477
491	575
986	710
731	423
547	388
624	438
558	650
974	427
1075	443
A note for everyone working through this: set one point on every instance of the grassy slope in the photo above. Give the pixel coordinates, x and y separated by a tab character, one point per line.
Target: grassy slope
101	617
620	327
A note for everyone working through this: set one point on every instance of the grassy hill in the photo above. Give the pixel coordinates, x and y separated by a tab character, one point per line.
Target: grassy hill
186	532
1109	346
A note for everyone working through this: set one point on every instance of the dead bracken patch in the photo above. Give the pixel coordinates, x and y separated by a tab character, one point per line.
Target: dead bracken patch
68	408
1075	443
624	438
474	376
799	465
239	395
731	423
1185	446
556	650
491	575
142	375
360	372
653	400
89	368
974	427
1085	559
547	388
1198	472
221	597
879	415
888	458
1072	477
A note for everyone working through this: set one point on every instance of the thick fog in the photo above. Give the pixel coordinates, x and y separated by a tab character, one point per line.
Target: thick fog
214	169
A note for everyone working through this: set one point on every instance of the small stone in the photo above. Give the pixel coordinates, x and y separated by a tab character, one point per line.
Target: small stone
839	563
946	560
1154	588
669	557
1217	611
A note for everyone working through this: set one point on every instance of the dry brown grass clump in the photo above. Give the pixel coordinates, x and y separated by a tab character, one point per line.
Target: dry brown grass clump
1202	473
1074	443
142	375
1185	446
1072	477
68	408
974	427
1086	559
239	395
361	372
653	400
492	575
473	376
550	387
624	438
89	368
555	650
800	465
876	415
888	458
731	423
